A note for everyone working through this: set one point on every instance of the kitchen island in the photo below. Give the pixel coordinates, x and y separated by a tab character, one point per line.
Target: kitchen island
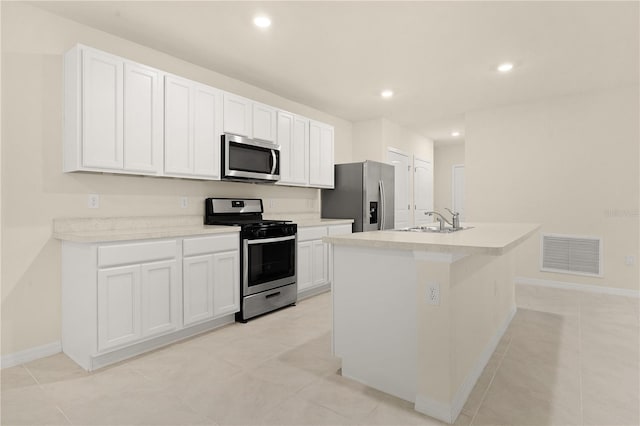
419	314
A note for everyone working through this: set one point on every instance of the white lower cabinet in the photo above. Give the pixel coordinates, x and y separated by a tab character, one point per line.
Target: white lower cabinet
137	301
122	299
119	316
211	277
313	255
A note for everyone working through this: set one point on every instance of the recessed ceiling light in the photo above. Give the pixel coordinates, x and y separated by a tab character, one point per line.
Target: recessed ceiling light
386	93
262	21
455	133
506	67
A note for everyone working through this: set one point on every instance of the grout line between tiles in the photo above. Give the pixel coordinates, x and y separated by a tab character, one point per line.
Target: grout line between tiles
32	376
65	416
484	394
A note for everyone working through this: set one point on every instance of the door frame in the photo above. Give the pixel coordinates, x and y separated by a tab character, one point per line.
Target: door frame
453	185
415	205
409	181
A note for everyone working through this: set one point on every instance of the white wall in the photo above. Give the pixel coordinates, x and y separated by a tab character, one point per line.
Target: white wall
568	163
34	189
445	155
373	138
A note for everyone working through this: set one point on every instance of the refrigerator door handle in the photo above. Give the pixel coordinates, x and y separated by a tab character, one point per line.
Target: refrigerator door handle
381	222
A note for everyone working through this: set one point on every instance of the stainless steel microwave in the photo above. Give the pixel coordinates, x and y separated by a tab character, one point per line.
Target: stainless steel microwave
249	160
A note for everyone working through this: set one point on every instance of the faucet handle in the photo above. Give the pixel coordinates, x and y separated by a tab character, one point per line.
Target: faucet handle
452	213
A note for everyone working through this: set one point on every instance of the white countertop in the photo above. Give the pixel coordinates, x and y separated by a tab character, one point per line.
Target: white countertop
106	229
93	230
322	222
482	238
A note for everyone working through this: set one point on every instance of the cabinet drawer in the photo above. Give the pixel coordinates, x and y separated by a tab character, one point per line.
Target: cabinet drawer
339	229
313	233
202	245
120	254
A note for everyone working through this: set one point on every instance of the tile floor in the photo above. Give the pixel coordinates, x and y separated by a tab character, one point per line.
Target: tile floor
567	359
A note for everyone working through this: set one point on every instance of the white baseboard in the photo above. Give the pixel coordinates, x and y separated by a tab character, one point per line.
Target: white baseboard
449	413
580	287
314	291
17	358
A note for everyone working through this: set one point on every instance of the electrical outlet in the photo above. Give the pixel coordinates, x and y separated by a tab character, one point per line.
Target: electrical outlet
629	260
184	202
93	202
433	293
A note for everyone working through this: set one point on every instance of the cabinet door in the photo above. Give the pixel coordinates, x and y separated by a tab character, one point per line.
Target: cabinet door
226	283
237	115
285	140
206	131
142	119
305	265
197	288
320	155
300	151
320	263
160	293
102	90
119	317
178	156
264	122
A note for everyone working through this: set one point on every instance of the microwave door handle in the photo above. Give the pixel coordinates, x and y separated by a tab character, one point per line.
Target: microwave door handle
274	161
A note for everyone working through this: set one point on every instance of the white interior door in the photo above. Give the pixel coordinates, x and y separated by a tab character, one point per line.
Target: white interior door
402	207
422	190
458	190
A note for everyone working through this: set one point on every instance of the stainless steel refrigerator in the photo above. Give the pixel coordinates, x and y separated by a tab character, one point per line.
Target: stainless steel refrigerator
363	192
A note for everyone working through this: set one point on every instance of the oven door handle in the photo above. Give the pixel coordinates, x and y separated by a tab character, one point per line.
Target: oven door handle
270	240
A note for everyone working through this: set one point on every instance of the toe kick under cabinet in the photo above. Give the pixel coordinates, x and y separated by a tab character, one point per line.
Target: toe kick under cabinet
120	299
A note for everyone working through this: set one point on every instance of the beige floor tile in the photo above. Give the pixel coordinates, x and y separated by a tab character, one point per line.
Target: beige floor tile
106	381
300	412
29	405
239	400
346	397
477	393
15	377
55	368
133	406
394	411
280	373
250	351
184	365
463	420
311	360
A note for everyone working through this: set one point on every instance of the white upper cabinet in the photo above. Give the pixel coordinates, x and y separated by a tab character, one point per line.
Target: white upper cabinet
293	138
142	118
113	114
264	122
193	113
321	160
237	115
125	117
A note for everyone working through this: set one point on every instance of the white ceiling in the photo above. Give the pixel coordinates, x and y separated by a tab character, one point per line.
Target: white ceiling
438	57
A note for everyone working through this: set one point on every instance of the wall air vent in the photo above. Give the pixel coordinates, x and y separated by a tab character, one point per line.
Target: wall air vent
571	254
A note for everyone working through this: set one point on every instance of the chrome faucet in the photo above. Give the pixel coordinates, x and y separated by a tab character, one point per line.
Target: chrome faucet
455	223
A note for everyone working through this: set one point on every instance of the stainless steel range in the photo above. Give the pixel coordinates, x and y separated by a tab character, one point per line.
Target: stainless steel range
267	254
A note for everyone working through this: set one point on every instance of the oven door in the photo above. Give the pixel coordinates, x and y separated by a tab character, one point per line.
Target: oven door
268	263
249	159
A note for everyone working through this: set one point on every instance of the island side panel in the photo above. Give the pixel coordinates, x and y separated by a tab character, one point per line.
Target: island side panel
482	290
374	318
457	337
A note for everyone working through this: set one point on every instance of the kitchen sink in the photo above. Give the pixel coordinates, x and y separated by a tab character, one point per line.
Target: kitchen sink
433	228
